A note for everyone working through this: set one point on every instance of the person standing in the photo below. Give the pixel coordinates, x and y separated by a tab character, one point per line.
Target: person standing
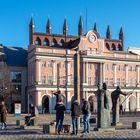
60	109
3	112
86	116
75	114
59	96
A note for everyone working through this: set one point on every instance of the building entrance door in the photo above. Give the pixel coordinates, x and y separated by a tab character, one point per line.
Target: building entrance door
45	104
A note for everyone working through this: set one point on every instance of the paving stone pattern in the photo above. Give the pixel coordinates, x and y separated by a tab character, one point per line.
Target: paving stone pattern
123	132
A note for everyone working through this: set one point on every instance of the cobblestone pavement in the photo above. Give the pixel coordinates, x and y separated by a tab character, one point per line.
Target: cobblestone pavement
123	132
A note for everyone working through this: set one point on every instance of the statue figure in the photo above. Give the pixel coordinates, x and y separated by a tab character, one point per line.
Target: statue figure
116	105
103	107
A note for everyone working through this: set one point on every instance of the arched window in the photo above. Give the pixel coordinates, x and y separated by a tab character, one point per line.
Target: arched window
113	47
46	42
38	41
119	47
61	42
107	45
54	42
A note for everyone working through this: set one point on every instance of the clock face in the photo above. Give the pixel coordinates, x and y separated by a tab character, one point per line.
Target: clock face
92	38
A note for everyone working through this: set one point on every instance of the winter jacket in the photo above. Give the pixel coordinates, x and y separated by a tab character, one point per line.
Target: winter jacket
86	108
60	108
75	109
3	113
59	97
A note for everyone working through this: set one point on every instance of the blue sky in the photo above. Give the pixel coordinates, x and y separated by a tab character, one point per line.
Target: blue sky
15	16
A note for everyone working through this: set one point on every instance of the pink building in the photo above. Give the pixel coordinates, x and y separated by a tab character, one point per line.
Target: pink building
51	61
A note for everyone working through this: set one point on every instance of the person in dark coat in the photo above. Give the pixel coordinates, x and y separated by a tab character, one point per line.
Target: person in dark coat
86	116
75	114
3	112
60	109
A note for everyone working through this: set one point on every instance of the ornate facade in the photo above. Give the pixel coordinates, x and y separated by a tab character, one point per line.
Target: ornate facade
51	66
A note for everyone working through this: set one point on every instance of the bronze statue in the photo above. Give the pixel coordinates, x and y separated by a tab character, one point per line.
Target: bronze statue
116	105
103	107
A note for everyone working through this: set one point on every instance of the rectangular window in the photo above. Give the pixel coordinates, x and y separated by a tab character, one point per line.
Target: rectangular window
15	77
96	67
72	65
118	81
72	80
133	68
118	67
111	81
43	64
89	80
89	66
43	79
50	65
106	81
122	82
64	65
64	80
50	80
95	80
106	67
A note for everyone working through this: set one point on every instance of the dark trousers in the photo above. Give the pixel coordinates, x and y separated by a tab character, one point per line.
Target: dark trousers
75	124
59	122
86	119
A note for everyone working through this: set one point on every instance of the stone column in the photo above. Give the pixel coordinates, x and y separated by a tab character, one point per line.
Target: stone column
115	74
138	76
126	75
86	73
39	102
68	73
54	72
102	73
138	101
37	71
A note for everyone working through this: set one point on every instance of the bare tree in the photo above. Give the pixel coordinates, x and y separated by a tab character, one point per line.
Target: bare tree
5	82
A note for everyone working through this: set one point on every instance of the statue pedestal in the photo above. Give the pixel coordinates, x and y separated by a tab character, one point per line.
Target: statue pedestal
104	129
117	124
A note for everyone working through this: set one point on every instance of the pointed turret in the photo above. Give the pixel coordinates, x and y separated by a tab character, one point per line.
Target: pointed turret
95	28
65	27
121	34
108	33
121	37
80	27
48	27
31	30
31	22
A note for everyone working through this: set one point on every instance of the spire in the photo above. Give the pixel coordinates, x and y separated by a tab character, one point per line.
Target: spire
65	27
108	33
31	22
80	27
95	28
121	34
31	30
48	27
